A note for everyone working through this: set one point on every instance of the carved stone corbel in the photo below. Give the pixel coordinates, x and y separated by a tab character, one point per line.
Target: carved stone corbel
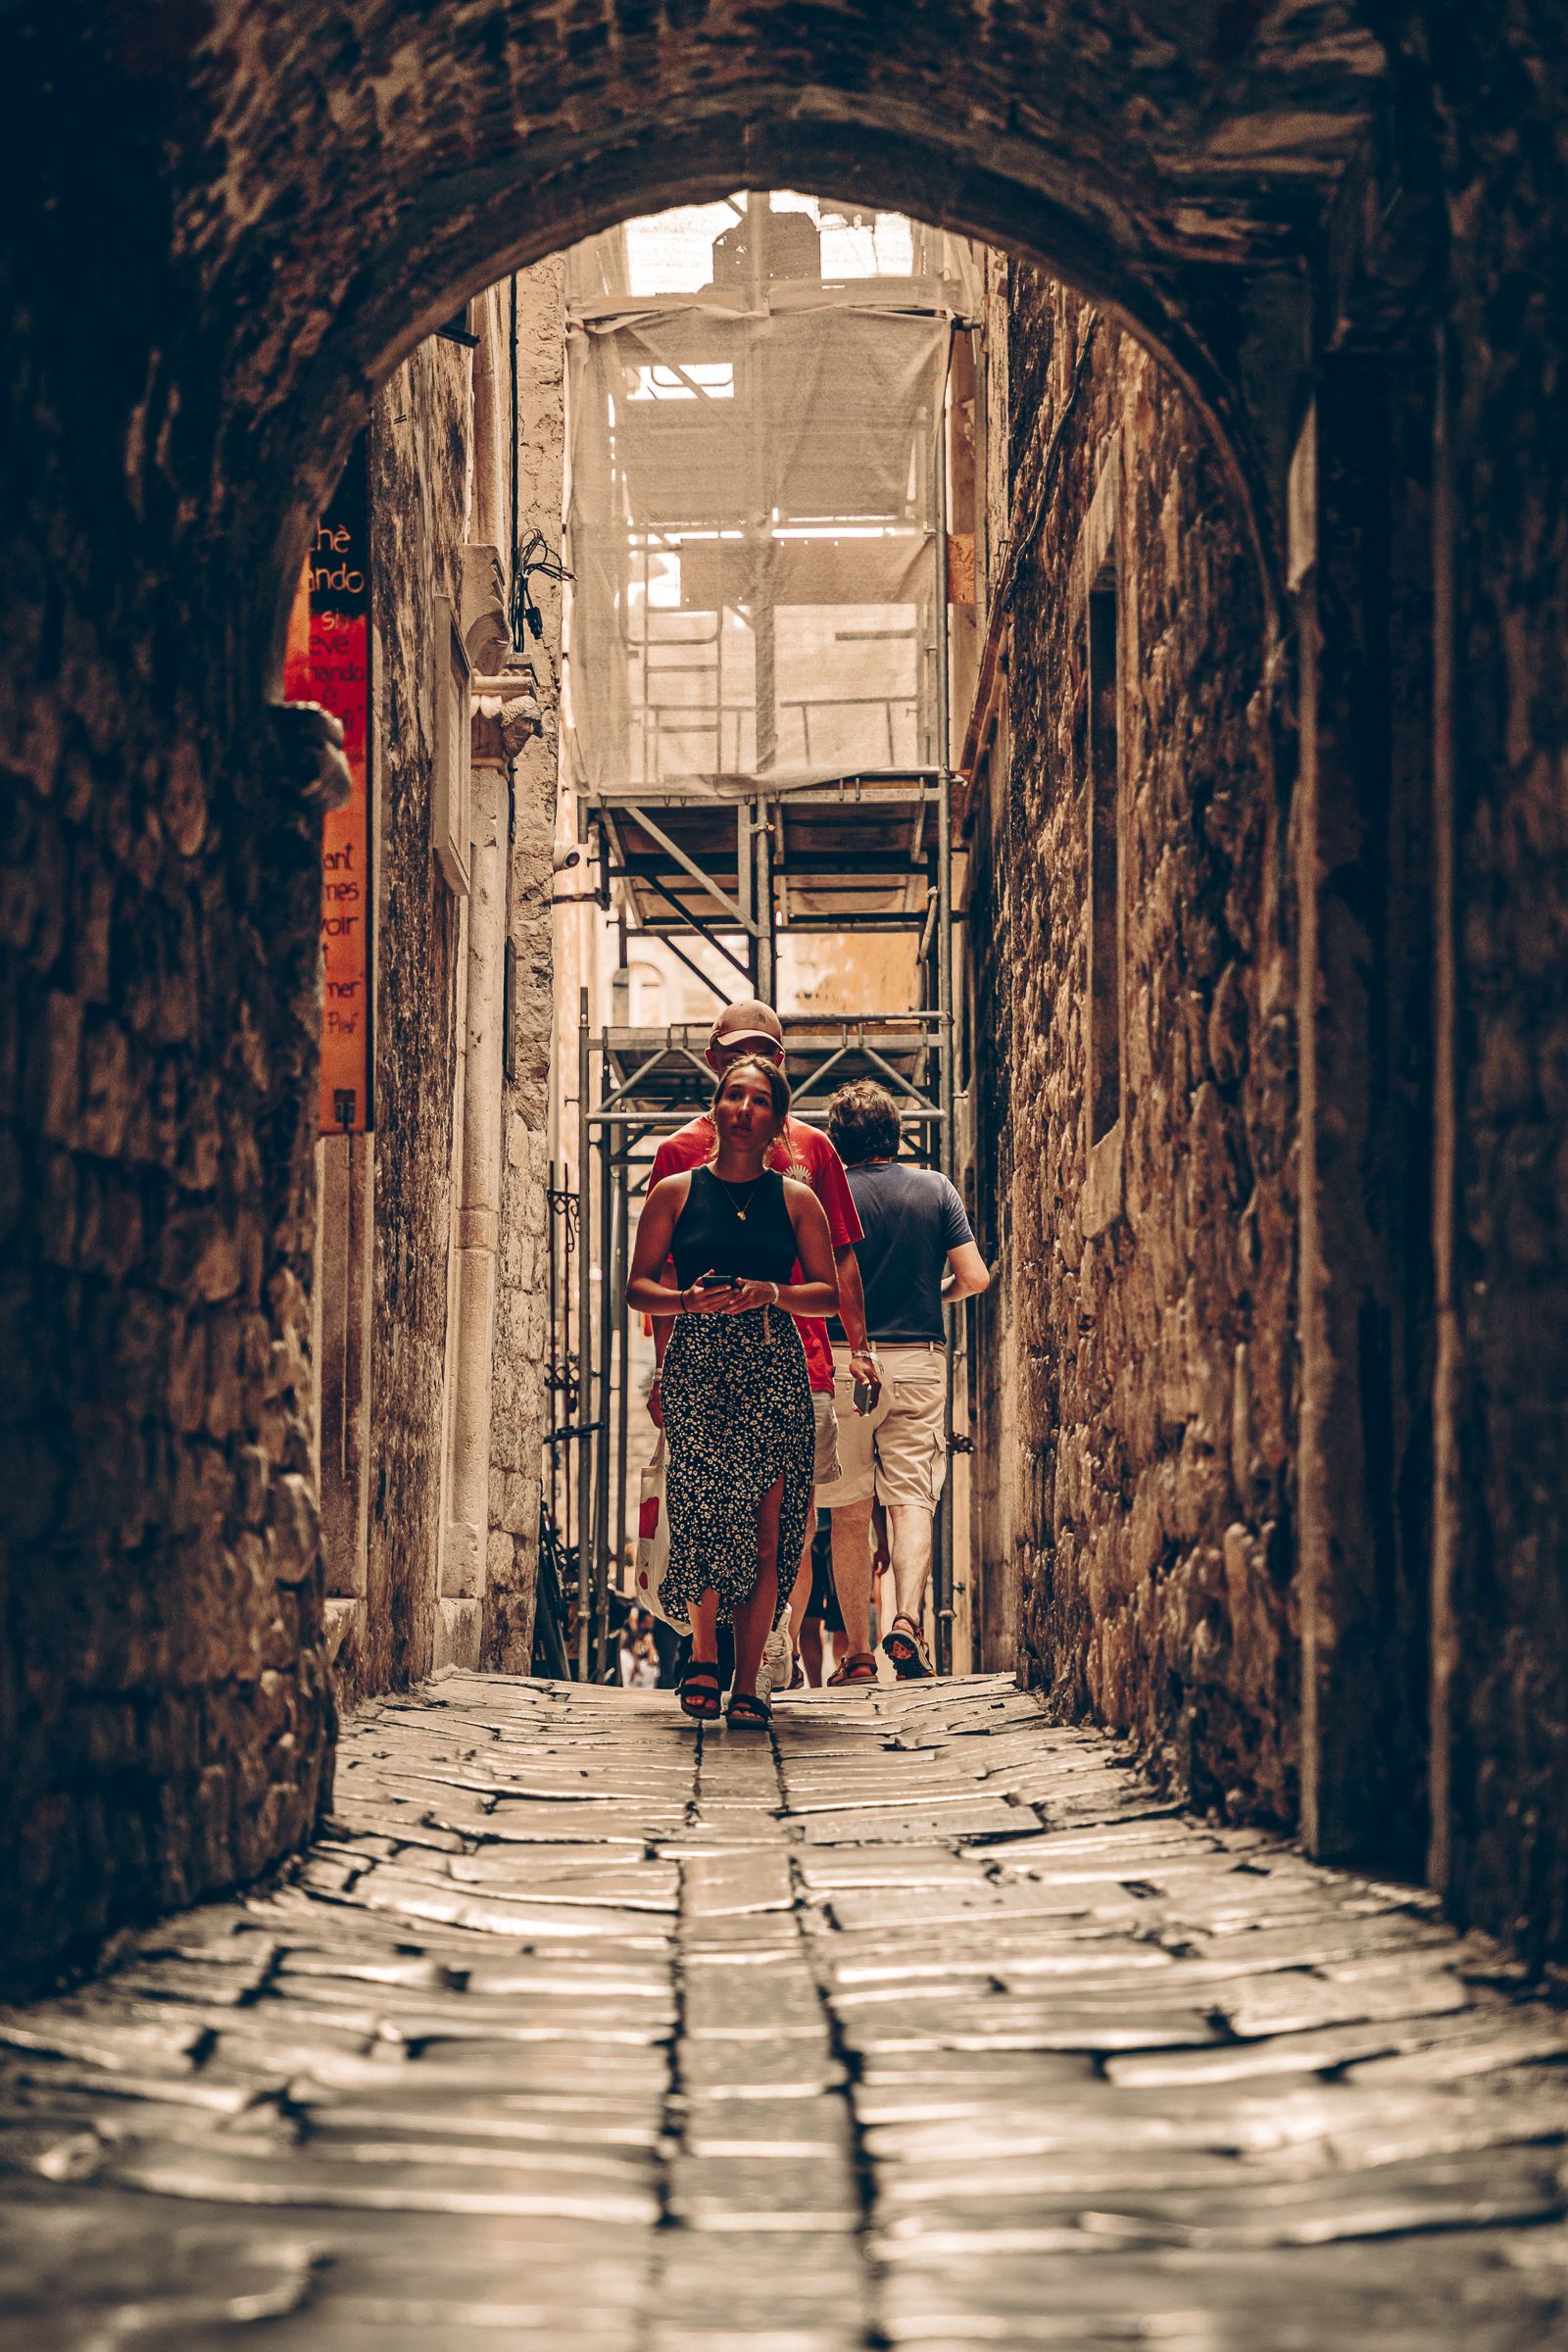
506	714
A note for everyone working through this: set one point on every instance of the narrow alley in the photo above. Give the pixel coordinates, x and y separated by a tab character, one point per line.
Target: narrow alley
784	1176
925	2023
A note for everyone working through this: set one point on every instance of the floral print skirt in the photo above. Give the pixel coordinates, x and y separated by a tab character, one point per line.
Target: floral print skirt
738	1418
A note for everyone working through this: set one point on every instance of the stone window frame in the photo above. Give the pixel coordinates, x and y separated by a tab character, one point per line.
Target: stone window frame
1099	565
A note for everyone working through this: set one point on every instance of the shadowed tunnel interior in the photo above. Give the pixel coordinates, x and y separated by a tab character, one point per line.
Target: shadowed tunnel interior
1322	247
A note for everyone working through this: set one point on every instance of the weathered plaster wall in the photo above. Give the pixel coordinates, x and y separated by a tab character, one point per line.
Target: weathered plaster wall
521	1338
1150	1456
418	484
456	1342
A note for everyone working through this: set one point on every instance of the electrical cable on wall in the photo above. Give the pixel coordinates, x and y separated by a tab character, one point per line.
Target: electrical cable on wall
535	559
536	555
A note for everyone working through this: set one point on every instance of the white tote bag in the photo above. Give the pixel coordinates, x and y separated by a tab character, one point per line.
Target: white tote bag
653	1541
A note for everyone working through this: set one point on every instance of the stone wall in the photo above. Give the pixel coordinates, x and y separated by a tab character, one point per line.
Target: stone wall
220	229
219	232
166	1717
521	1339
1500	1749
419	447
456	1341
1145	1303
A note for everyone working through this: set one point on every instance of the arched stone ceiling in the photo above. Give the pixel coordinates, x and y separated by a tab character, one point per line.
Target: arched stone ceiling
271	201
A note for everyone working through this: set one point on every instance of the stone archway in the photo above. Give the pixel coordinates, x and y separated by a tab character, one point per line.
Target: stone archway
273	205
297	197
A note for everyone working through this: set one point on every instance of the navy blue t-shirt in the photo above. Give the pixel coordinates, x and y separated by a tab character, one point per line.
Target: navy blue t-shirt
913	1217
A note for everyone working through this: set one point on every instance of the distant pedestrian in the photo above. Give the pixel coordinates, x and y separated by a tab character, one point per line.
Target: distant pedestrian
644	1675
737	1403
822	1625
917	1253
639	1654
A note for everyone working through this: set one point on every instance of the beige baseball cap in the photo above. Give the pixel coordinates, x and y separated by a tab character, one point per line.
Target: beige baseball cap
750	1022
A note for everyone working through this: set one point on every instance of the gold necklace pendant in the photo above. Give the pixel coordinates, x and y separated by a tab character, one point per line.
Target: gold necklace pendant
740	1214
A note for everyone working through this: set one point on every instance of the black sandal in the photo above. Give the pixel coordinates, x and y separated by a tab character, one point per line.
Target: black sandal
910	1657
749	1713
699	1691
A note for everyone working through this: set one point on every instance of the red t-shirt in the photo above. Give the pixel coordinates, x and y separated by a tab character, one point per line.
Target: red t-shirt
805	1153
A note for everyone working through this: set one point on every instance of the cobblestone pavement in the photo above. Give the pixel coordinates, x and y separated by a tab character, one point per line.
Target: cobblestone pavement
925	2025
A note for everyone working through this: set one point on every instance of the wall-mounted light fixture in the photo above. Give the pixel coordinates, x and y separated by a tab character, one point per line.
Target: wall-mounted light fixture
460	327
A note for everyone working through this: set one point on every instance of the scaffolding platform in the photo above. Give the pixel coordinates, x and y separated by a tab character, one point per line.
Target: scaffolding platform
644	1084
857	852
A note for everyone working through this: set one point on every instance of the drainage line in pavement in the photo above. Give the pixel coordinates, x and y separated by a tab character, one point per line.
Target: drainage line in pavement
677	2104
861	2170
677	2099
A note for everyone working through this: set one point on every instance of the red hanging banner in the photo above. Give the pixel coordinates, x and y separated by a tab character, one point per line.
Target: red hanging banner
328	661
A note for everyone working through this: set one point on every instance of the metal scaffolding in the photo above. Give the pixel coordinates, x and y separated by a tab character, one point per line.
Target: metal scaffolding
637	1085
756	698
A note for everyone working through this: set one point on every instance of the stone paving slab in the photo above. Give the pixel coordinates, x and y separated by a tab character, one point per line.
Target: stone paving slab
922	2024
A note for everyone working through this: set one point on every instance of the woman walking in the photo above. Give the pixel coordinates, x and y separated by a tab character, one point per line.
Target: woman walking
737	1400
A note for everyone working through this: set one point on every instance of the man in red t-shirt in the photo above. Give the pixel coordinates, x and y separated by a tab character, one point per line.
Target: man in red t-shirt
740	1032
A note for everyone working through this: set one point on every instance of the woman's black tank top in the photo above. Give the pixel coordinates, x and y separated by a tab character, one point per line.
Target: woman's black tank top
711	1236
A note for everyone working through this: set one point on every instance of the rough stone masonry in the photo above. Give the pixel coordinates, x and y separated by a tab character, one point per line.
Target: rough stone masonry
225	229
1149	1272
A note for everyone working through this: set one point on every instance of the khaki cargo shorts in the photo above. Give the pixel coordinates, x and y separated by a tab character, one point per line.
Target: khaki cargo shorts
824	1412
898	1452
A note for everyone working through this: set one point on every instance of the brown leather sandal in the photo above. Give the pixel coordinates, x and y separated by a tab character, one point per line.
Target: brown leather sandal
908	1654
859	1667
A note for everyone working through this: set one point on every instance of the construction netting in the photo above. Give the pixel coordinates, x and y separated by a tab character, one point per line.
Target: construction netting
755	402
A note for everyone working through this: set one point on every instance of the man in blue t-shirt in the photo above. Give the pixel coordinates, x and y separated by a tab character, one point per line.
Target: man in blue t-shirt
917	1253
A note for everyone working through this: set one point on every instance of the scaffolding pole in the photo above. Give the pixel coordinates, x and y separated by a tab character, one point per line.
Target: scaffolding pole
602	1451
585	1381
765	935
947	1139
941	1599
623	1328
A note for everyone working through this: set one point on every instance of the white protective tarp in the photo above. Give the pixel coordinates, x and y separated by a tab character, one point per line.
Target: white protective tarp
752	515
